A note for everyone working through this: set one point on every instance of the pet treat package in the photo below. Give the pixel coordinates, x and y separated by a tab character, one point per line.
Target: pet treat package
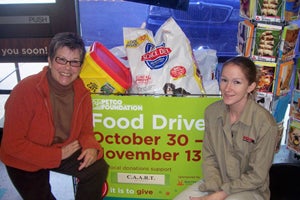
293	138
161	64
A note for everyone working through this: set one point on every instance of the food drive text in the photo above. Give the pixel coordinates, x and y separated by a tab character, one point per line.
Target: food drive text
159	122
169	132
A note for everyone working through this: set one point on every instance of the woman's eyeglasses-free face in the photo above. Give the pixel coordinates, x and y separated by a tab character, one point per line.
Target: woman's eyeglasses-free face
63	61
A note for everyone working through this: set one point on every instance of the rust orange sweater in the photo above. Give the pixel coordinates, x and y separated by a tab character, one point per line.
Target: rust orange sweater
29	128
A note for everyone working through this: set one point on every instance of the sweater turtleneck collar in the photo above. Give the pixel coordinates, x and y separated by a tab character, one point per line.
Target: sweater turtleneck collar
57	88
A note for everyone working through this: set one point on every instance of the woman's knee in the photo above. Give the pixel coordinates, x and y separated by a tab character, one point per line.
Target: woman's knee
102	166
191	191
98	170
247	195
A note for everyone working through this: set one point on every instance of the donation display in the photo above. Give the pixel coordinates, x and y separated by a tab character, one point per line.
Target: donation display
153	144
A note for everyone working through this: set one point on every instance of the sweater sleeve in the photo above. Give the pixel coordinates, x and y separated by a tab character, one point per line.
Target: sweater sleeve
86	136
26	139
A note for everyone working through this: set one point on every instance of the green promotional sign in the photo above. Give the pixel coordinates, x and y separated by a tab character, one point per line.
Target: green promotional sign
152	144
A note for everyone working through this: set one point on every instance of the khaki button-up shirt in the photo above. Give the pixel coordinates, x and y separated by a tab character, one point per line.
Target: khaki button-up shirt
238	157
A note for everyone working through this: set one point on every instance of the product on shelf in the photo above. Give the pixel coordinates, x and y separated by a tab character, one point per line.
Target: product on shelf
266	42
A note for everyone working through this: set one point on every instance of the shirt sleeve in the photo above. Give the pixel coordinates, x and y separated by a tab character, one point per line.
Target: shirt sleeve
210	169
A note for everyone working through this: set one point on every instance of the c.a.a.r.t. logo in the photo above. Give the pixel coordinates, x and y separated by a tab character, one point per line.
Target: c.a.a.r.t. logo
154	179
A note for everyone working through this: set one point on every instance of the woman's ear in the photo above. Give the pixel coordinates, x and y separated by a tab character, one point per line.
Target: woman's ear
49	61
251	87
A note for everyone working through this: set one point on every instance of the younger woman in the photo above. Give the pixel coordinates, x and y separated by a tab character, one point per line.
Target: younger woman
239	141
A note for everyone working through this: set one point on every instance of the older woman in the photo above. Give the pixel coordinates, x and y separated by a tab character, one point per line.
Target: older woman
48	126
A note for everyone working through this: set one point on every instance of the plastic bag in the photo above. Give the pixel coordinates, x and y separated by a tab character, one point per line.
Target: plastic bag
163	64
207	62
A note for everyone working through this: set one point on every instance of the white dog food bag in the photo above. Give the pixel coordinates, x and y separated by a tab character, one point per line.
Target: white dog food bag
163	64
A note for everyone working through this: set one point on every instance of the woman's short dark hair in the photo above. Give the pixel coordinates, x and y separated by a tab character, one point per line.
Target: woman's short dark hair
246	65
66	39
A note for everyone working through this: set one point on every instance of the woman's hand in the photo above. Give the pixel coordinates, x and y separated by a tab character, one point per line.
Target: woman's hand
221	195
88	157
69	149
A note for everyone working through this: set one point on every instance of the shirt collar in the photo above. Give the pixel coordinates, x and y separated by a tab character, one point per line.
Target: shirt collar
246	115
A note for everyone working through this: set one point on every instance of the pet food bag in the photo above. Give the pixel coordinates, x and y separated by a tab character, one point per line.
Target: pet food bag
161	64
